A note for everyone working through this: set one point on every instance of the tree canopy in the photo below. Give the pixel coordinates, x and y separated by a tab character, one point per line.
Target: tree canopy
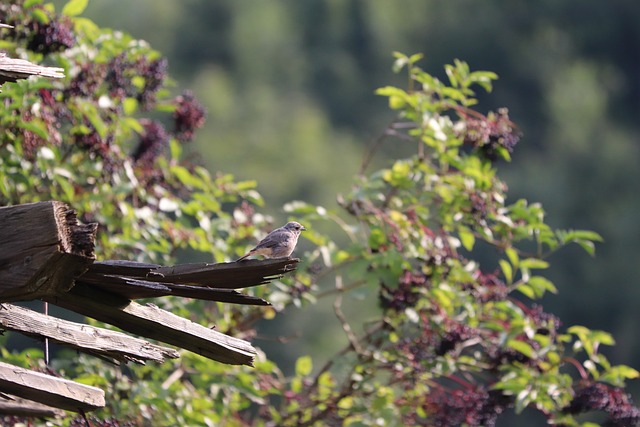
428	230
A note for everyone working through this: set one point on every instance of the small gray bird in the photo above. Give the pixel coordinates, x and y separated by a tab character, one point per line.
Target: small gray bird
279	243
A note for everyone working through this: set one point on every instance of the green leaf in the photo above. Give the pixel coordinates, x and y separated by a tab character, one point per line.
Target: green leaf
467	238
617	375
40	15
526	290
129	105
30	3
584	238
74	7
36	126
590	340
540	285
186	177
512	254
131	123
572	235
377	238
87	27
304	366
346	402
533	263
522	347
522	400
175	148
506	270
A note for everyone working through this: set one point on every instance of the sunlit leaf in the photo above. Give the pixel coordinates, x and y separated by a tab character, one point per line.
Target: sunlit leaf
467	238
304	366
507	271
522	347
74	7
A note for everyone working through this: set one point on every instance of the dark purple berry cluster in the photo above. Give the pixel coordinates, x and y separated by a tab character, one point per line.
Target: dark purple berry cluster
121	72
86	83
153	141
455	333
80	421
490	133
488	287
473	406
54	36
406	294
592	396
188	116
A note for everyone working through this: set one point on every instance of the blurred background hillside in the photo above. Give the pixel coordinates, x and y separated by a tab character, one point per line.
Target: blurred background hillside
289	87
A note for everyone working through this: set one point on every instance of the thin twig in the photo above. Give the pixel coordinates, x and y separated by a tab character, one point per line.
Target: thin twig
346	327
347	288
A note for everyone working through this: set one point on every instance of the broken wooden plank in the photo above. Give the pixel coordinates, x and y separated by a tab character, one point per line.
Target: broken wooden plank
43	250
27	408
152	322
137	288
212	282
49	390
11	69
230	275
103	342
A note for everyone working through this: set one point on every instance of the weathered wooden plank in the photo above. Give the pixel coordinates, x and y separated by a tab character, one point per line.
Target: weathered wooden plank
49	390
137	288
230	275
111	344
42	249
27	408
152	322
12	69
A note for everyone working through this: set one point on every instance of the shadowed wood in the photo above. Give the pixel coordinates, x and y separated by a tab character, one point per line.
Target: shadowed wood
53	391
213	282
43	249
152	322
136	288
46	254
229	275
89	339
27	408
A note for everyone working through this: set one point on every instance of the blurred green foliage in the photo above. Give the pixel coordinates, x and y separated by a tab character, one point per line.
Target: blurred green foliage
289	89
277	76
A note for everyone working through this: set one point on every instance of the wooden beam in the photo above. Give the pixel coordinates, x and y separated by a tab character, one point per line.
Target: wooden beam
49	390
152	322
228	275
27	408
42	250
103	342
12	70
136	288
205	281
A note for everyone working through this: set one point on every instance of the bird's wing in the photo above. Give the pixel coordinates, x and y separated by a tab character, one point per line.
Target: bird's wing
275	238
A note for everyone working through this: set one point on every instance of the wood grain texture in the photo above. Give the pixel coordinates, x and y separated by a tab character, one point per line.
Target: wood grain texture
42	249
152	322
89	339
27	408
212	282
11	70
49	390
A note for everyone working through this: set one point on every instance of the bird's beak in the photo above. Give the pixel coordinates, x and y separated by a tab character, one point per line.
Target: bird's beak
302	228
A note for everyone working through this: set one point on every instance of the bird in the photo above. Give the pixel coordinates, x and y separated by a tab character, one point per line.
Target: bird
279	243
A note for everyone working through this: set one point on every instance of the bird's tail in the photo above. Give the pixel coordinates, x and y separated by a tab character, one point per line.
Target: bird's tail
243	257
